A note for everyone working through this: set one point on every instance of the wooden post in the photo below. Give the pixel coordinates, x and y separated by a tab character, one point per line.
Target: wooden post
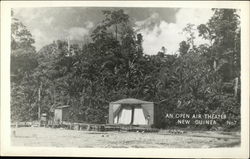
132	117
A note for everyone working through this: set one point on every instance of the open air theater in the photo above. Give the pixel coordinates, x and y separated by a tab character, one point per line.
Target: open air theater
132	111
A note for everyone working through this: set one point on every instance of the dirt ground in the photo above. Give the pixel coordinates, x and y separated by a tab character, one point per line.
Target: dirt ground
37	136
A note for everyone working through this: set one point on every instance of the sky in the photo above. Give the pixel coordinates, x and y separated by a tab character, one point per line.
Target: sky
159	26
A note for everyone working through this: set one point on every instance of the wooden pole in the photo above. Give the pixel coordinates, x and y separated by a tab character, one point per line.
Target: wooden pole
39	97
39	103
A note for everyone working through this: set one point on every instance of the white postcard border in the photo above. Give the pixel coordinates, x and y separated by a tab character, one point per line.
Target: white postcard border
7	149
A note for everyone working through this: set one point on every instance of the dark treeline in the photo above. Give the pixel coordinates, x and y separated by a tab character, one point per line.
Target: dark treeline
113	65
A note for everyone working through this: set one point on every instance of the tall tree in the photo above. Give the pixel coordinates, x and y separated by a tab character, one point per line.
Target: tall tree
23	63
223	31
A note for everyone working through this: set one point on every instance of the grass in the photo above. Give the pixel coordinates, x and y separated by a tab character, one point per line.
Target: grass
38	136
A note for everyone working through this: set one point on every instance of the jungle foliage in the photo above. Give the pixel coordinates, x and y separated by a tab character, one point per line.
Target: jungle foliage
200	79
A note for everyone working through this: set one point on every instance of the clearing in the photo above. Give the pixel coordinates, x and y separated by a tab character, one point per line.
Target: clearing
39	136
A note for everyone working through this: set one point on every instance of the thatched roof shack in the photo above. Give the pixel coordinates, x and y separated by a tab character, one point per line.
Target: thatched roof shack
132	111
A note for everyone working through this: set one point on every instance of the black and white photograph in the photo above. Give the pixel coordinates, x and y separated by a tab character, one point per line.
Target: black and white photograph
125	77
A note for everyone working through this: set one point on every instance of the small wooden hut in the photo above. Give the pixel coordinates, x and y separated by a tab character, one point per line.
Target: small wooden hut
61	114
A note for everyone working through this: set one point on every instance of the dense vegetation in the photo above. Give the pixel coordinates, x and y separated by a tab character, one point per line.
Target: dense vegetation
113	65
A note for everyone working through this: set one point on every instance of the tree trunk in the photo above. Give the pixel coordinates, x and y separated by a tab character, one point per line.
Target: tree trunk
236	86
116	32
